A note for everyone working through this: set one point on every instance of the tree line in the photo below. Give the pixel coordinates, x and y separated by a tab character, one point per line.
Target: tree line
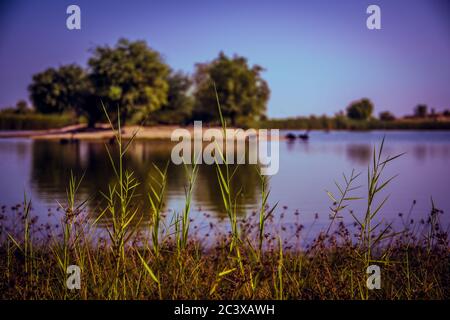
363	110
133	78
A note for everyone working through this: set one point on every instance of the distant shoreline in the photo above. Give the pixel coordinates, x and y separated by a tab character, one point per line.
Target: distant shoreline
102	132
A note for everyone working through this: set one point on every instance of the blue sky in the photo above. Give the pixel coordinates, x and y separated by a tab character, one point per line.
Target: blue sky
318	55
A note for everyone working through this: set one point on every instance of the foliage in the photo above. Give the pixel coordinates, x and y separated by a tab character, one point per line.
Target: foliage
130	75
340	122
178	109
20	108
386	116
360	110
241	89
421	111
35	121
58	90
134	76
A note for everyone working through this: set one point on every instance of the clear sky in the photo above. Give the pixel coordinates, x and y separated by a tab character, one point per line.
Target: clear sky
319	55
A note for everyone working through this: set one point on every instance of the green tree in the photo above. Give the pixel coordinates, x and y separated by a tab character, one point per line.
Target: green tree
129	75
178	109
386	116
360	110
58	90
22	107
241	90
90	106
421	111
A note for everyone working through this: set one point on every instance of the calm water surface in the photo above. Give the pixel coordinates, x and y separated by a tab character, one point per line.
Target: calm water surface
307	169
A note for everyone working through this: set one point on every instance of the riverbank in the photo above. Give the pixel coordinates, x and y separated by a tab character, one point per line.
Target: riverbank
344	123
103	132
82	132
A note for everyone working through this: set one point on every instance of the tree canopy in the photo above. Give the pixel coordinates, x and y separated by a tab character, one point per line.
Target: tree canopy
134	78
129	75
178	108
386	116
360	110
241	90
421	111
58	90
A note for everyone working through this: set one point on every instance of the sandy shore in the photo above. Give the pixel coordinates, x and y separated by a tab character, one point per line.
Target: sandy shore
101	132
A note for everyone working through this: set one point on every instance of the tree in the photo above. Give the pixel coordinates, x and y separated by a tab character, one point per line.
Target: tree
241	90
421	111
130	76
22	107
386	116
58	90
178	109
360	110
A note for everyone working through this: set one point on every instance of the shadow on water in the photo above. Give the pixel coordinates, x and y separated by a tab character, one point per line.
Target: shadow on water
359	153
52	163
42	169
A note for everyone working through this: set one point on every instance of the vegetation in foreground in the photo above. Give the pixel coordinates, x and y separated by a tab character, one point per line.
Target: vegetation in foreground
161	258
415	264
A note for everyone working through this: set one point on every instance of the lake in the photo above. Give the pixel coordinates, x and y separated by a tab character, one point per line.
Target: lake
307	169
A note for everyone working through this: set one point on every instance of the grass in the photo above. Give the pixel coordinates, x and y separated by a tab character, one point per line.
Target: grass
35	121
330	268
161	259
344	123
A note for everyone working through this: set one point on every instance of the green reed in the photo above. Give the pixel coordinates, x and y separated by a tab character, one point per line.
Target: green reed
63	250
119	198
185	219
224	177
156	199
26	247
375	185
264	213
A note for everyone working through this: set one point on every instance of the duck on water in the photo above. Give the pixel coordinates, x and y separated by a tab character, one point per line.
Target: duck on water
303	136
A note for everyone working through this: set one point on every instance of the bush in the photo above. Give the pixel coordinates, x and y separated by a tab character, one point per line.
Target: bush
386	116
421	111
360	110
9	121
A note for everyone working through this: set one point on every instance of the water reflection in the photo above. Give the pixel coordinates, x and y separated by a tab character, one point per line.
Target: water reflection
53	162
42	168
359	153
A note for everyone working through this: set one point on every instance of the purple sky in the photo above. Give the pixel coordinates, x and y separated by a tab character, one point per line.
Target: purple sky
319	55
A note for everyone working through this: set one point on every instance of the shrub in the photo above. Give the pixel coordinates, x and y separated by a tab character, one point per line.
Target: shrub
10	121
